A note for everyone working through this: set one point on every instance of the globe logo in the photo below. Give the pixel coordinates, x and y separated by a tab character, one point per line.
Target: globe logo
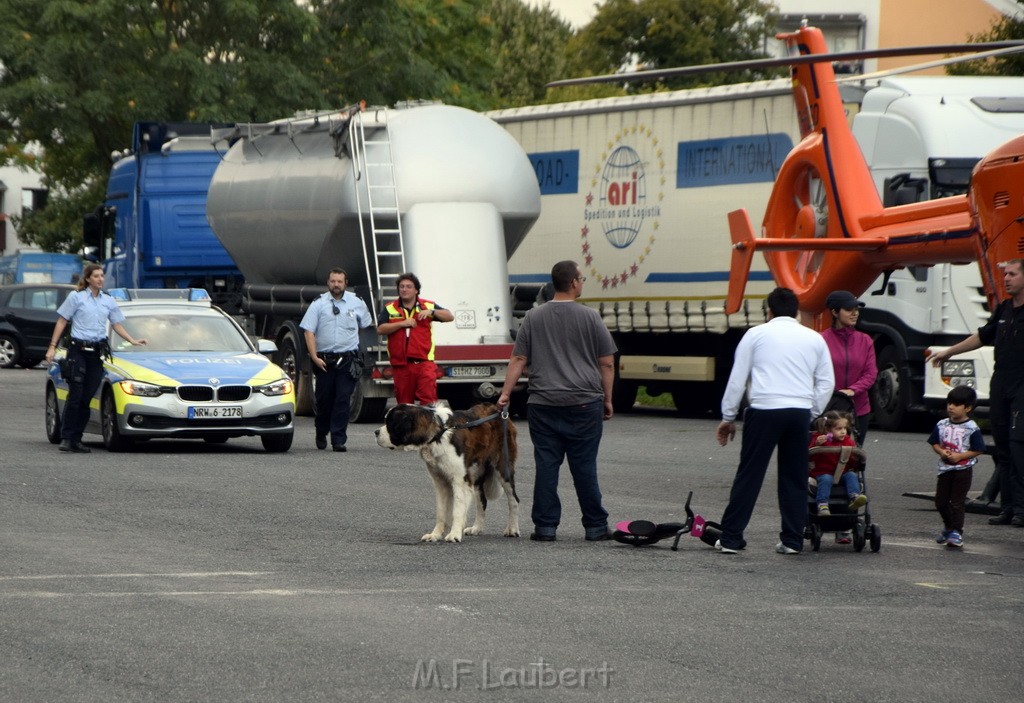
623	186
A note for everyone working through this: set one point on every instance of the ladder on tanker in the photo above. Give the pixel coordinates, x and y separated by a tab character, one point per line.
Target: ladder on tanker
373	164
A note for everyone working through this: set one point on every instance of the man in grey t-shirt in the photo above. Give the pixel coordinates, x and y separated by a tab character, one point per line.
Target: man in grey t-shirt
570	358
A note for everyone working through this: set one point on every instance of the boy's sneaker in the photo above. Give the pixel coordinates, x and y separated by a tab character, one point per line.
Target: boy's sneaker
823	510
858	501
783	549
942	537
843	538
954	539
725	550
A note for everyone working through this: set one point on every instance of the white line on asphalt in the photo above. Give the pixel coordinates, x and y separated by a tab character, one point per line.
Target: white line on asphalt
177	575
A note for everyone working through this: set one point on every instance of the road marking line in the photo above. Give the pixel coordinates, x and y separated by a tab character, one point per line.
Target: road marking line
181	574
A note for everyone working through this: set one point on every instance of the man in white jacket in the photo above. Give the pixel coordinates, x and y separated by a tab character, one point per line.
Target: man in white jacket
790	374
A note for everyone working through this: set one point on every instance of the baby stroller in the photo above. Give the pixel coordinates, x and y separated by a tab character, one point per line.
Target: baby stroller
842	518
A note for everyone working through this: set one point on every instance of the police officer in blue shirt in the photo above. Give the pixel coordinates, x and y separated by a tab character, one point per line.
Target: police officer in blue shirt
88	310
331	327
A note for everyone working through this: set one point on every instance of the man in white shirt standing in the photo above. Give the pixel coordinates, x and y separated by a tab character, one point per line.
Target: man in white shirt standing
791	380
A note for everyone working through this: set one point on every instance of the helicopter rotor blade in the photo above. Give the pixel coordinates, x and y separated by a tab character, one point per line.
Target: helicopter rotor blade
931	64
658	74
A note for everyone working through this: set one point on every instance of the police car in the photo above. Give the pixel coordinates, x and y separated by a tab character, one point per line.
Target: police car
199	376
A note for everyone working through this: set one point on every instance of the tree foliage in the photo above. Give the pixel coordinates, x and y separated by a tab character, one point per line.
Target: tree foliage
653	34
75	76
1006	28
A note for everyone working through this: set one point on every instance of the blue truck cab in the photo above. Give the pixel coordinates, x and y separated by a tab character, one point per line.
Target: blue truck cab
39	267
152	231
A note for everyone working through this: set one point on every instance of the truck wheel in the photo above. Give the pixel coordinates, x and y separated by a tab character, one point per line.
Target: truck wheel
891	393
363	409
10	351
624	395
290	361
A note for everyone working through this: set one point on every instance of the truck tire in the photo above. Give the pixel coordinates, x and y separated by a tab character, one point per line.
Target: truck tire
890	395
624	395
290	360
363	409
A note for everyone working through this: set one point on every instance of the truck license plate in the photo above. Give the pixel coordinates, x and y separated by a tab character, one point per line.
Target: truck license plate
471	371
195	413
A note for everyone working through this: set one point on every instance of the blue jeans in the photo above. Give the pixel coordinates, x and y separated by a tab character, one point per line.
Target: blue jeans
333	396
570	432
86	375
825	481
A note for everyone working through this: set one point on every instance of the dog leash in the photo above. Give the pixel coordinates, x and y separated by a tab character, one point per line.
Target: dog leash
503	414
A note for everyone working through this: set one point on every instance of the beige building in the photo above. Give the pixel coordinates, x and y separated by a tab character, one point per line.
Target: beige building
867	24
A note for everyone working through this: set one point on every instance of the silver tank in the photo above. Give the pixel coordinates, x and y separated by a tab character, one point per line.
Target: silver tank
283	200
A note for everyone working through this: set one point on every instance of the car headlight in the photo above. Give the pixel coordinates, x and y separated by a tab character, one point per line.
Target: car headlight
282	387
139	388
957	368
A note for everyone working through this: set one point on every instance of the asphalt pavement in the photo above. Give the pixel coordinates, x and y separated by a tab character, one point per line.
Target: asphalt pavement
187	571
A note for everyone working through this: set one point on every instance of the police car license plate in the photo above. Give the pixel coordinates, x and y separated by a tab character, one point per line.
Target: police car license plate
471	371
200	413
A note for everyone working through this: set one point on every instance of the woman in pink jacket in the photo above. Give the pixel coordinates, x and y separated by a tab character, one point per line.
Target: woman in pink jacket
853	356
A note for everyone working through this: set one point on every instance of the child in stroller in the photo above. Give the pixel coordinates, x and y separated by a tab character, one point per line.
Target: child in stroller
836	467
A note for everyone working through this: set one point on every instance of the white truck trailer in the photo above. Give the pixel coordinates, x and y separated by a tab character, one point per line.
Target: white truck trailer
638	189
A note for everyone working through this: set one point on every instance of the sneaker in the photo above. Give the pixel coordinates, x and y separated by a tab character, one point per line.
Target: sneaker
954	539
783	549
725	550
942	537
858	501
823	510
843	538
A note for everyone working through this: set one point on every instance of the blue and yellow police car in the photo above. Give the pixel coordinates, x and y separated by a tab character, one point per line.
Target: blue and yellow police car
199	376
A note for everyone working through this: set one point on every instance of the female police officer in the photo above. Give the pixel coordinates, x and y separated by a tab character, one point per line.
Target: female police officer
87	309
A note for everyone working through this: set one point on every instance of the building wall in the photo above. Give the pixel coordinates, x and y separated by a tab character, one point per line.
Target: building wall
16	181
949	21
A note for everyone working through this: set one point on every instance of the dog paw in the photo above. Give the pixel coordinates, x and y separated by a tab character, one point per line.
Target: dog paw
452	537
473	530
431	537
511	532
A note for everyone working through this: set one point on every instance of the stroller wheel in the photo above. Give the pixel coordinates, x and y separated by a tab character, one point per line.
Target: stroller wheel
815	537
859	537
876	538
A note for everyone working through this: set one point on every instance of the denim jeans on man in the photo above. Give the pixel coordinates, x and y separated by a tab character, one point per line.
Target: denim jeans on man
86	375
825	482
570	432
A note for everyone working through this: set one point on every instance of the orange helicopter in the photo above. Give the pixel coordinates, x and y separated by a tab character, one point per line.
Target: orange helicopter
825	227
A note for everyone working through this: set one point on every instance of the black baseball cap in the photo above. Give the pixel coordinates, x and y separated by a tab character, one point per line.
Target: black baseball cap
842	299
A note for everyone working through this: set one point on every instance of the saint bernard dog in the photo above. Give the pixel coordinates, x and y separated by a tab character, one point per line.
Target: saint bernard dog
465	462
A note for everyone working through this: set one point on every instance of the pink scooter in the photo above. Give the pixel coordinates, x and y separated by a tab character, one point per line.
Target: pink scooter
641	533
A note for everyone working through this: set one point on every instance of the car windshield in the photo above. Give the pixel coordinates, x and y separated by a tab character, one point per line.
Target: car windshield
182	333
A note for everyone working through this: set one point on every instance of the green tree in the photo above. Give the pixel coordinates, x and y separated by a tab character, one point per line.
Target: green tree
1006	28
654	34
76	76
530	49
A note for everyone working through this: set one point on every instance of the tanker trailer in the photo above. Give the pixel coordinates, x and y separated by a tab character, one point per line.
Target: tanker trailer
438	190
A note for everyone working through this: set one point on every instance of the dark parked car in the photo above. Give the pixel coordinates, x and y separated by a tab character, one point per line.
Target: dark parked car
28	312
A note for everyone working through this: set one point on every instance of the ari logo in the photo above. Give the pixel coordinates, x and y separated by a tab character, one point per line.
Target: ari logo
624	200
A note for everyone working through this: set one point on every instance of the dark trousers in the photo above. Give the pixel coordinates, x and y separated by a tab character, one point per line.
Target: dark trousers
951	494
763	431
333	395
571	432
86	375
1007	416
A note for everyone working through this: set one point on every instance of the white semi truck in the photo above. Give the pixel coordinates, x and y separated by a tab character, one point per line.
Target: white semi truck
638	189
